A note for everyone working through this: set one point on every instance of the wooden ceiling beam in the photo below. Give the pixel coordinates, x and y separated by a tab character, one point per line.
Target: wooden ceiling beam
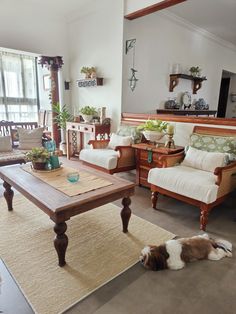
152	8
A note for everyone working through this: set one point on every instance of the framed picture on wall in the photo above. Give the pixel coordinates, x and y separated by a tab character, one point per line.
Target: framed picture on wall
46	82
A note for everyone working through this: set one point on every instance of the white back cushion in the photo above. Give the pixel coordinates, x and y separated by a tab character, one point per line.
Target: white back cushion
30	138
118	140
5	144
202	160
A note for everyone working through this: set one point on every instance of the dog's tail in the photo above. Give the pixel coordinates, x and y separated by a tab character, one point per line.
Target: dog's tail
223	244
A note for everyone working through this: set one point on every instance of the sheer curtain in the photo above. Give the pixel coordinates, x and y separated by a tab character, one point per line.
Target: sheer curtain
18	92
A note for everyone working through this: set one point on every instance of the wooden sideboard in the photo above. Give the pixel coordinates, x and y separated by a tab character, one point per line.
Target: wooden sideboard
147	157
75	132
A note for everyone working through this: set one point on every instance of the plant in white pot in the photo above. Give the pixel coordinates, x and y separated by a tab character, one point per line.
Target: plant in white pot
88	112
153	130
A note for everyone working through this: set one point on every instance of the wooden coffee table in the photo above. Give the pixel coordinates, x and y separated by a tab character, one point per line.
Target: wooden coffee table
60	207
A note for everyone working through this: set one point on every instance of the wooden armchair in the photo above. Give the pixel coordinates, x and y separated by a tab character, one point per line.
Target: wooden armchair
121	158
201	188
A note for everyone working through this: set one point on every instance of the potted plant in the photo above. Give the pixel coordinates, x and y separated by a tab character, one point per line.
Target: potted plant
92	72
86	71
153	130
87	113
195	71
62	116
39	157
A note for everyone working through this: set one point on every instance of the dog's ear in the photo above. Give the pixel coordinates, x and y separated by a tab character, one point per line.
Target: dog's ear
158	258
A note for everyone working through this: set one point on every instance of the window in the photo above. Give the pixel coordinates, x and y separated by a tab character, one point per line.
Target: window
18	88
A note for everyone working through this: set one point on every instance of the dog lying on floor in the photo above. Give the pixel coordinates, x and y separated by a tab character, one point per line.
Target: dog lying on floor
174	254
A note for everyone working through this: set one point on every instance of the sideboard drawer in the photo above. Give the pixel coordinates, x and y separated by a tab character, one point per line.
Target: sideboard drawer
87	129
150	165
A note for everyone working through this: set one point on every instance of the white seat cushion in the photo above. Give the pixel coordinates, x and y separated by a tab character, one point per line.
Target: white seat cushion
105	158
194	183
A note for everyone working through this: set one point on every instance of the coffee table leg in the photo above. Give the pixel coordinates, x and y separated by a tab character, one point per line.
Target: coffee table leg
61	242
125	213
8	194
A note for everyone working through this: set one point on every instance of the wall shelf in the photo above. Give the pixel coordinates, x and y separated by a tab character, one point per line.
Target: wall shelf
196	81
91	82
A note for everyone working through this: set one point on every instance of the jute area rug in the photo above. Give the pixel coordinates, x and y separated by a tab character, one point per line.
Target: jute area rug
97	252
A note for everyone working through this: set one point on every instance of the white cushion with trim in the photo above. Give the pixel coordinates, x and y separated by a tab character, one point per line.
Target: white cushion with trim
5	144
194	183
203	160
30	138
105	158
118	140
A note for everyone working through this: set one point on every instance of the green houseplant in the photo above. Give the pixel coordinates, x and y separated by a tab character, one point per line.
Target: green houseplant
153	130
62	116
85	70
39	157
89	72
87	113
195	71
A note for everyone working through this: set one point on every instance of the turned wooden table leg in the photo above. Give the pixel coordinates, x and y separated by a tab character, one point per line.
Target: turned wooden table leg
61	242
204	216
8	194
125	213
154	199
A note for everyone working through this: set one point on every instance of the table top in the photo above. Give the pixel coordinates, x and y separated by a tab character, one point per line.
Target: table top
161	149
11	297
58	205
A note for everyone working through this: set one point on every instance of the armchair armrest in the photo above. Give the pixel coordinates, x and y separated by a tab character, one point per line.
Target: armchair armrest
171	160
225	179
126	156
98	143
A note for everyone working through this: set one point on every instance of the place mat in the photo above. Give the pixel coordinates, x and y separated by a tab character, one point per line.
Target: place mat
97	252
58	179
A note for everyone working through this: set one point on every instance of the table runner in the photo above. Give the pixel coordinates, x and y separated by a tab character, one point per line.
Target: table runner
58	179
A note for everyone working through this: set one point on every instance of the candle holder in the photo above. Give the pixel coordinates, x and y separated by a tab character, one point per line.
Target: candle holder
170	142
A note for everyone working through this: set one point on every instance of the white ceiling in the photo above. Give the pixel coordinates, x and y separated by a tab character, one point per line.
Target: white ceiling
215	16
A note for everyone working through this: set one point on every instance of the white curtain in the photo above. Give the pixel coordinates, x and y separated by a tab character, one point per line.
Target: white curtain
18	92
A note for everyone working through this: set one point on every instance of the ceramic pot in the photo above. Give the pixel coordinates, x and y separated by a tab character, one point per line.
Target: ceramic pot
39	165
87	118
153	136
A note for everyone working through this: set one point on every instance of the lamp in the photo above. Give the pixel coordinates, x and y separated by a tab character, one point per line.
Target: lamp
67	84
130	44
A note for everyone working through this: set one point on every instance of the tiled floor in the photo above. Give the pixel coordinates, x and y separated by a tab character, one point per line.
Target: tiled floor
204	287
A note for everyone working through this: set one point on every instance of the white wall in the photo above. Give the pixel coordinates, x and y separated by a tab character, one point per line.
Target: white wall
96	39
32	29
161	42
135	5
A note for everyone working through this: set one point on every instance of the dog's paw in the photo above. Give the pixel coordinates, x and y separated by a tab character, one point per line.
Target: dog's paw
229	254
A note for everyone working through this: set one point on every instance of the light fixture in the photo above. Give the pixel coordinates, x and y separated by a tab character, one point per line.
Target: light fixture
67	84
130	44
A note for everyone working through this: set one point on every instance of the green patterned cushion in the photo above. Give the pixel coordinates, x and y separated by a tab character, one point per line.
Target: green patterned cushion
127	130
211	143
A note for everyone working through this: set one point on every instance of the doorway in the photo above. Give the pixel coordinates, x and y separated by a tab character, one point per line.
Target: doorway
223	97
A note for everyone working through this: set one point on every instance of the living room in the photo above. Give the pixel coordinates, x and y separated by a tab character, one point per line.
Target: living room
156	43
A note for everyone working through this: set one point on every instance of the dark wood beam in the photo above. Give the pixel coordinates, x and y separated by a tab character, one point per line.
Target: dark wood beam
152	8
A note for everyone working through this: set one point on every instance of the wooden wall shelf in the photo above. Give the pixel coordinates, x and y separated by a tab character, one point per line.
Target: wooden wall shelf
197	81
91	82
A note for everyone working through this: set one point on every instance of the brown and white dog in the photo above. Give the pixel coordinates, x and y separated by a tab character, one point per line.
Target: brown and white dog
174	254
